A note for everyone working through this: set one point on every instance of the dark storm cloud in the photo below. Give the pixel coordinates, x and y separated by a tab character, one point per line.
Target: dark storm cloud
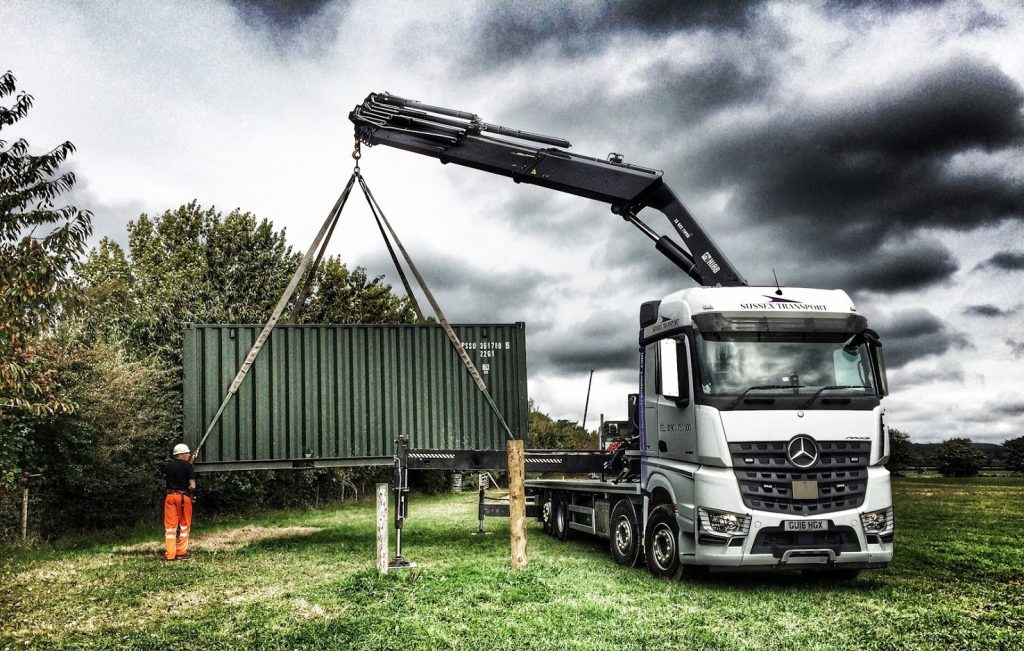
989	311
291	23
606	342
512	31
1004	261
869	164
846	184
914	266
281	15
915	333
1010	409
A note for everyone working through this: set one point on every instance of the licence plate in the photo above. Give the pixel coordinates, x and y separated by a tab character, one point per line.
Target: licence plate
805	525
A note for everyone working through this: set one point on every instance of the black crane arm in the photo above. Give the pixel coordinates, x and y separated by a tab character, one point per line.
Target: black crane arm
464	139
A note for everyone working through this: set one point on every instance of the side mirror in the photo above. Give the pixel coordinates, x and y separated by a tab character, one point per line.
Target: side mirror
878	361
673	379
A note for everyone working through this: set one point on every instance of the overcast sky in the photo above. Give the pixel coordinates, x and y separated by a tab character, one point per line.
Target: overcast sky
878	149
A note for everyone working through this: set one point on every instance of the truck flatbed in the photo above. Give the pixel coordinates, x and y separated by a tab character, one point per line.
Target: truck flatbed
588	485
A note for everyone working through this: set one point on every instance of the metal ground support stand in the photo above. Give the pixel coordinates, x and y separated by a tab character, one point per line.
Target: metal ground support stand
483	483
401	501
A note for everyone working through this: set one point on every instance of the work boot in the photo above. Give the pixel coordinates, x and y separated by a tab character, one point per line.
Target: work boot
184	557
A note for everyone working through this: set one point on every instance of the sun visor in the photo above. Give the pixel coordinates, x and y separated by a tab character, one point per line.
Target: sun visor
726	323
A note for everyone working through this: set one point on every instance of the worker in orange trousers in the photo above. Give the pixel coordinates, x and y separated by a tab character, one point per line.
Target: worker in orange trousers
181	481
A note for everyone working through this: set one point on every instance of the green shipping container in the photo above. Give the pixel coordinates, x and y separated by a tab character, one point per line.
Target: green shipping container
339	395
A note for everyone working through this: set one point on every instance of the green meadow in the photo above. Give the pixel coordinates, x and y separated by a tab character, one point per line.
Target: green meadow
306	579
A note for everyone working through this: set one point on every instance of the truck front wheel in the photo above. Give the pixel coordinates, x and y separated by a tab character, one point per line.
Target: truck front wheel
661	544
624	535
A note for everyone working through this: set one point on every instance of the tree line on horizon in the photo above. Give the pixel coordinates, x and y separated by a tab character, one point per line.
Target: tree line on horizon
954	457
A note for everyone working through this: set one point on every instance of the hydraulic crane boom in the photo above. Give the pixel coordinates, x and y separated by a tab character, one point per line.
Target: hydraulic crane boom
464	139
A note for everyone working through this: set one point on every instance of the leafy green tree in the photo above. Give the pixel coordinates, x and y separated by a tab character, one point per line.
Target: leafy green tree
547	433
98	462
343	296
38	241
901	452
197	265
1013	454
957	457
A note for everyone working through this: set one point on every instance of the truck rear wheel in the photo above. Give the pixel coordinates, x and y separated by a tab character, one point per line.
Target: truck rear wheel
661	544
546	515
560	518
624	535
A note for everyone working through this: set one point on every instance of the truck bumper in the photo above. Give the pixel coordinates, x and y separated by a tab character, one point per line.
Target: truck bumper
767	546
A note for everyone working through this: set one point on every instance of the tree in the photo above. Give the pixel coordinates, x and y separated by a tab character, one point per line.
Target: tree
38	241
343	296
1013	454
957	457
195	264
546	433
901	452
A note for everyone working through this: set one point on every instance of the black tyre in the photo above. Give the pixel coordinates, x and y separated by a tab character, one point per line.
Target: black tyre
560	518
546	514
624	537
661	544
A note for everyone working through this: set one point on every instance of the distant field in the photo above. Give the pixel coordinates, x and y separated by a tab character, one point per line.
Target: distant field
303	579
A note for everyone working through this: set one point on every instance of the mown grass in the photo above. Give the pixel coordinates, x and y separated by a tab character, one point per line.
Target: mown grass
957	583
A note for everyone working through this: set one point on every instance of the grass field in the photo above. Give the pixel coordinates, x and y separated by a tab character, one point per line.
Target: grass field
306	579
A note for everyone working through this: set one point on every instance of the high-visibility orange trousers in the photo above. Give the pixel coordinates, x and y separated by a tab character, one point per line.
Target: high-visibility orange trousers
177	523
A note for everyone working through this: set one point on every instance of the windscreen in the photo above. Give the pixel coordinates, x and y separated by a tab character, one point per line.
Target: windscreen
801	355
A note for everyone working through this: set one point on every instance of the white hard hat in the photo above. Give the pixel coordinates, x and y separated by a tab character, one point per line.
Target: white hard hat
180	448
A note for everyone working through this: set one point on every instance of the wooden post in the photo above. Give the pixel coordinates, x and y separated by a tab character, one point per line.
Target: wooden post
24	511
382	528
516	503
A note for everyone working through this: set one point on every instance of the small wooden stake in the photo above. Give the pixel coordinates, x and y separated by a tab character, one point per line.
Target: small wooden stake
382	528
24	511
516	503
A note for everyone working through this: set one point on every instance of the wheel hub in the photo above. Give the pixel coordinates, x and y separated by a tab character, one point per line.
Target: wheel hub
664	547
623	536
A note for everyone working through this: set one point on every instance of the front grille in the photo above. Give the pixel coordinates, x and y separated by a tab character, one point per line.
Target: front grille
766	476
775	541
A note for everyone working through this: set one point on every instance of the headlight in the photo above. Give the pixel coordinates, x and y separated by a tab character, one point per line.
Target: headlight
879	522
724	522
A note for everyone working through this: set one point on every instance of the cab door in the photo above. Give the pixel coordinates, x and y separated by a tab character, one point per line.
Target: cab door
671	420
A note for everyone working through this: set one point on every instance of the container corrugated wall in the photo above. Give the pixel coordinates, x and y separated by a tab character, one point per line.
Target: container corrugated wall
323	395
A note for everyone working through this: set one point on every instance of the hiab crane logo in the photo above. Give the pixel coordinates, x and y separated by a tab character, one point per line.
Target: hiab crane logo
779	303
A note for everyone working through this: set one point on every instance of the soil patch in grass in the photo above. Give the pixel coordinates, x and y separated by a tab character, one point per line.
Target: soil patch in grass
226	540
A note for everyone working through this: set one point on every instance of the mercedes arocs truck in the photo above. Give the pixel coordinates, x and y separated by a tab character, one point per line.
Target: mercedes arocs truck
759	439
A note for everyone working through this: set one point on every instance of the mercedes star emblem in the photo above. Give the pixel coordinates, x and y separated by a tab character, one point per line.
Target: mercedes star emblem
802	451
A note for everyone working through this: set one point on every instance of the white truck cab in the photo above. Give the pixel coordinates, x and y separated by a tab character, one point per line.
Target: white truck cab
760	439
761	428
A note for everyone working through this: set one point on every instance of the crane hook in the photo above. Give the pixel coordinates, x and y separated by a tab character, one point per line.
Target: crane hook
356	155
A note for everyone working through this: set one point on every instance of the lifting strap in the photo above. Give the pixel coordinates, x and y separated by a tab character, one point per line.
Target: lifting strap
308	266
328	225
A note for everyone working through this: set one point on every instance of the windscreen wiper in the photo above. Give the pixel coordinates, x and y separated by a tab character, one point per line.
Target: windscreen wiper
836	387
762	387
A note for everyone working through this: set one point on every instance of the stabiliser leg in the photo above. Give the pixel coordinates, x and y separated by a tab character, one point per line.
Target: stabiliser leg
401	500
